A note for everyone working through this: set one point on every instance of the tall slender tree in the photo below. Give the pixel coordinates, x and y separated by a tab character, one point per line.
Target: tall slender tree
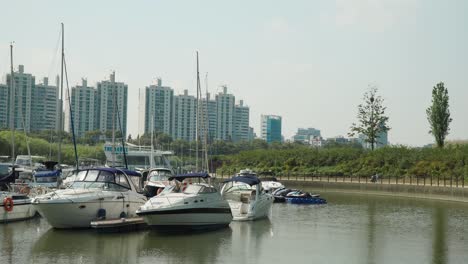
372	121
438	114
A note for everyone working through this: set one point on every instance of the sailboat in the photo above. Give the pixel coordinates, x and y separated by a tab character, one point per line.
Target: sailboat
191	202
15	206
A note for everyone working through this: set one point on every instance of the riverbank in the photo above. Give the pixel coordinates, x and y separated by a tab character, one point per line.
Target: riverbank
446	193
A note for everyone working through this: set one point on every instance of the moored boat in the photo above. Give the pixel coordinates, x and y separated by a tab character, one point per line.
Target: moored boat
183	205
96	193
246	197
15	207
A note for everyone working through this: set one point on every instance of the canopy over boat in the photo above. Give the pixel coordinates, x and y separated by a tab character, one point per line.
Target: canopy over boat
116	170
47	173
268	179
248	179
181	177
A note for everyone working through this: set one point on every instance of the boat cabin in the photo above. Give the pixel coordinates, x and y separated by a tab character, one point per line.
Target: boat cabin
109	179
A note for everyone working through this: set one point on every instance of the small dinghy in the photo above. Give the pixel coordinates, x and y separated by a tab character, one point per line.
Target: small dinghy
299	197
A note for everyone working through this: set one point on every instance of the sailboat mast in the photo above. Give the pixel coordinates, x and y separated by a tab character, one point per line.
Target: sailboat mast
12	107
113	118
206	125
197	116
59	154
152	144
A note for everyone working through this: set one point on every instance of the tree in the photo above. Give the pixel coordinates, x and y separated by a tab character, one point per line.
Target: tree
371	118
438	114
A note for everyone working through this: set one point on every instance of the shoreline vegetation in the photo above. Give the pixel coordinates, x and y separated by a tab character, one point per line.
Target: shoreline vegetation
348	161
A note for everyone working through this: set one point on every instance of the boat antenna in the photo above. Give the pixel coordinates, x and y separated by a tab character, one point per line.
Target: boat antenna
152	144
12	112
113	118
71	115
122	137
59	154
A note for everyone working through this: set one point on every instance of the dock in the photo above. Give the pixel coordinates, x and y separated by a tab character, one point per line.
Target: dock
119	225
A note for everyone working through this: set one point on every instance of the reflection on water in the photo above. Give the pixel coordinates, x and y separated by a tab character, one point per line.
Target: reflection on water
439	248
349	229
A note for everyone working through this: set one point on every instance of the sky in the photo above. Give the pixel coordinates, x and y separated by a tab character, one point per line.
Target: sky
309	61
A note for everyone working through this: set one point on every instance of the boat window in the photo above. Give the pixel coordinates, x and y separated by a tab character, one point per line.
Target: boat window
193	189
105	176
4	169
159	175
122	180
81	175
46	179
208	190
136	182
92	175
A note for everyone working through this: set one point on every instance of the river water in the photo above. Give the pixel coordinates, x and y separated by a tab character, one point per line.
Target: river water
351	228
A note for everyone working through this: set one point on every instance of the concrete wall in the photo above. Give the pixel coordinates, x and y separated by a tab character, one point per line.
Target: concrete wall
431	192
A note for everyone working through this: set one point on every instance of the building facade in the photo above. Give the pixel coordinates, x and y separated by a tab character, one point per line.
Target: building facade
225	112
184	117
159	107
112	96
28	106
241	122
45	107
306	134
271	128
84	107
4	101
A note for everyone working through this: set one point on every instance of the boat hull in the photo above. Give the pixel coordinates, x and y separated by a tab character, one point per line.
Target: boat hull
21	211
192	218
80	214
251	211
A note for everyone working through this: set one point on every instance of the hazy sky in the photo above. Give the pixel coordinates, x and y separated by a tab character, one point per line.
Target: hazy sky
308	61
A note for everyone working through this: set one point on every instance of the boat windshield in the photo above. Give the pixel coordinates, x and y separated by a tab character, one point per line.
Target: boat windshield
159	175
4	169
102	180
193	189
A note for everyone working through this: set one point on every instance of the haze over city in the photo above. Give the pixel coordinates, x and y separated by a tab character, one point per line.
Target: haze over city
307	61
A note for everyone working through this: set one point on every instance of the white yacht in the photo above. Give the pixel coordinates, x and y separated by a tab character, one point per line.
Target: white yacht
15	207
138	157
156	180
96	193
195	205
268	183
246	202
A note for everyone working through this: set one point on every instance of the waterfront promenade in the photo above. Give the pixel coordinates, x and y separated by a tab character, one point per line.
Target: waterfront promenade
417	187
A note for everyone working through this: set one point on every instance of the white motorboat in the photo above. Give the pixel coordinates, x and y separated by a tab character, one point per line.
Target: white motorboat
247	203
157	179
15	207
187	206
96	193
268	183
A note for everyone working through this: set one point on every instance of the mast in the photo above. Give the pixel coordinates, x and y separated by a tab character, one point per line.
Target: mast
12	107
196	118
152	144
206	124
113	118
60	130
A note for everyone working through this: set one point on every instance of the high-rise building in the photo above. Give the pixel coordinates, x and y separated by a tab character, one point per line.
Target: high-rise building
44	107
84	107
159	108
112	96
306	134
20	112
184	117
4	96
271	128
241	122
209	117
225	111
252	134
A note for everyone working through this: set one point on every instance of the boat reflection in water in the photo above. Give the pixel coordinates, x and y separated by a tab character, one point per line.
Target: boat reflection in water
201	247
86	246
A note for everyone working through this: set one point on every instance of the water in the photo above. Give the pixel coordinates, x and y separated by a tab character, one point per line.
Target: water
352	228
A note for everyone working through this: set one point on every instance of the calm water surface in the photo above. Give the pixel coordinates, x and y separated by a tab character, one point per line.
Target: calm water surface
352	228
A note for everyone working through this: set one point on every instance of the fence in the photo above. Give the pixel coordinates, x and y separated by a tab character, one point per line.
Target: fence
441	181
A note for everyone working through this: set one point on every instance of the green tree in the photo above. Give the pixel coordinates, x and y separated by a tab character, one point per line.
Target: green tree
371	118
438	114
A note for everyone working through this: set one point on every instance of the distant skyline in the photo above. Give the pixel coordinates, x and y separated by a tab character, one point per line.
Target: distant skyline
307	61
